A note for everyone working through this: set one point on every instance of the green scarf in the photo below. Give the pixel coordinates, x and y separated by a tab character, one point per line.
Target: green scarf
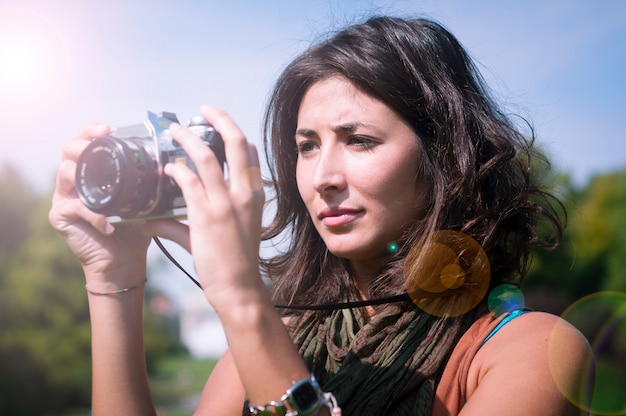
388	366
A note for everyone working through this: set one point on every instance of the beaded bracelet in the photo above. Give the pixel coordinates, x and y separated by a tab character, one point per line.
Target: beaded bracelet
115	292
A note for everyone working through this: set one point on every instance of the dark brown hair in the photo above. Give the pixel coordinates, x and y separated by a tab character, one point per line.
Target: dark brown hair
478	164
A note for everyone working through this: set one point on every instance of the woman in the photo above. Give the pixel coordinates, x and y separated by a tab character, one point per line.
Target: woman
386	155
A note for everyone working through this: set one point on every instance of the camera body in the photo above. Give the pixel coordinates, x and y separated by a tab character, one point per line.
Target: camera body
121	175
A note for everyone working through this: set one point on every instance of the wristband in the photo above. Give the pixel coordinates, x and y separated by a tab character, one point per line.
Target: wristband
303	398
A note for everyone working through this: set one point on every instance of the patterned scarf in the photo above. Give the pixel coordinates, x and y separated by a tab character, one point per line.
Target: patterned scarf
388	366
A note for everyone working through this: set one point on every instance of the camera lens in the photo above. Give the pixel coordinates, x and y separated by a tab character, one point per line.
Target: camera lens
117	177
102	174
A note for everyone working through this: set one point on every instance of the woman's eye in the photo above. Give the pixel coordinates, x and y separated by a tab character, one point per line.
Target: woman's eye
360	141
305	147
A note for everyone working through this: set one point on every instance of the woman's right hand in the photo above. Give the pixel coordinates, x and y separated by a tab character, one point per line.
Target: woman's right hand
106	253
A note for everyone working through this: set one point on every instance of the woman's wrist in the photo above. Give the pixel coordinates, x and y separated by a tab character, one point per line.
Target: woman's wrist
247	306
115	291
260	346
115	281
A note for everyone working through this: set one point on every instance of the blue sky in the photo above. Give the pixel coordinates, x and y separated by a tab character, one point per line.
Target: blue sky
65	63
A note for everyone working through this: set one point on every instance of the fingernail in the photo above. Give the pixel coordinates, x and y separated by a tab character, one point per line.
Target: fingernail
109	228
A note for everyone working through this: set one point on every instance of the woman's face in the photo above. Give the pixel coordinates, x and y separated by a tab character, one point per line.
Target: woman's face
356	172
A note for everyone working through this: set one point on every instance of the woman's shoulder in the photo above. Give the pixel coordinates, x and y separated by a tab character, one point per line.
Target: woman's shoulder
535	358
540	331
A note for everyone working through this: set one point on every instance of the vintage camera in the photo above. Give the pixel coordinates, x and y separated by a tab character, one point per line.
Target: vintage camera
121	175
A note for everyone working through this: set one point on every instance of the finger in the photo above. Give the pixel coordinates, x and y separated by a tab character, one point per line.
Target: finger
65	179
66	207
235	145
205	161
74	147
92	130
72	212
65	185
252	175
171	230
193	189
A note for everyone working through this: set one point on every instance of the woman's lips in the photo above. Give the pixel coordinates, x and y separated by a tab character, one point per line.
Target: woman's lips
337	217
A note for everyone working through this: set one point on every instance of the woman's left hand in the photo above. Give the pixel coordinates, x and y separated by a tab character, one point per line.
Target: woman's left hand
224	215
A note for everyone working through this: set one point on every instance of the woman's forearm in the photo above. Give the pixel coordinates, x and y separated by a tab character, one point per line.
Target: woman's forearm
120	382
266	359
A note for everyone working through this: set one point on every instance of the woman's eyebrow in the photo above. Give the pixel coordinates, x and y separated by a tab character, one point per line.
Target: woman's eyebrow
306	132
351	127
348	127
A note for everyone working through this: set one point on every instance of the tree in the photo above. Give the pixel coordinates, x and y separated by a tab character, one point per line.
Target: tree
592	256
598	230
45	342
17	201
44	322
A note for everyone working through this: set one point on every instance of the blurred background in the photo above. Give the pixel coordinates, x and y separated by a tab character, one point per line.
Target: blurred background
65	63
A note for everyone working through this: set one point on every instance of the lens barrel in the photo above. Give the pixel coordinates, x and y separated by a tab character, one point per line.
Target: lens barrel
117	177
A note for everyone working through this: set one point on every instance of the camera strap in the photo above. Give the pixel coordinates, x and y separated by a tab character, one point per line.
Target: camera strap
404	297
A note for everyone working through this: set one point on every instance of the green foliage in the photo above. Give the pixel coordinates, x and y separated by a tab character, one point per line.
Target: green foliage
598	230
45	342
161	335
585	279
44	332
16	203
592	256
177	378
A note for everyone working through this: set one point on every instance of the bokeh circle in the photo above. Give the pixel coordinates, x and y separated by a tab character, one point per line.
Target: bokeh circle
601	317
447	273
505	298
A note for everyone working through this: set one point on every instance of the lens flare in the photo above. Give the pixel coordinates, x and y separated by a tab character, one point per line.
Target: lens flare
505	298
447	274
601	317
34	60
393	247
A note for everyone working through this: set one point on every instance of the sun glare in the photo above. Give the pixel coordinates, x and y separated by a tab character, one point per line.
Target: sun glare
34	57
18	61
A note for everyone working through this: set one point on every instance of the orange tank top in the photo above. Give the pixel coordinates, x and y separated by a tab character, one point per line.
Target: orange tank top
451	392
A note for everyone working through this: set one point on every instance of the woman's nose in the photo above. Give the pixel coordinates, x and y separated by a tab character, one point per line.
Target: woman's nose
329	172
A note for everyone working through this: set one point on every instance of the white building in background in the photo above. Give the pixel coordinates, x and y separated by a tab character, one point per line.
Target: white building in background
200	329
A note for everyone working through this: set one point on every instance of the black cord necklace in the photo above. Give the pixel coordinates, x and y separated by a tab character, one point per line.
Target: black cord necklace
323	307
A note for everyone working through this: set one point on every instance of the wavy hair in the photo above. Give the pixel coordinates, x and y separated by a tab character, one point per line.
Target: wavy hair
479	167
